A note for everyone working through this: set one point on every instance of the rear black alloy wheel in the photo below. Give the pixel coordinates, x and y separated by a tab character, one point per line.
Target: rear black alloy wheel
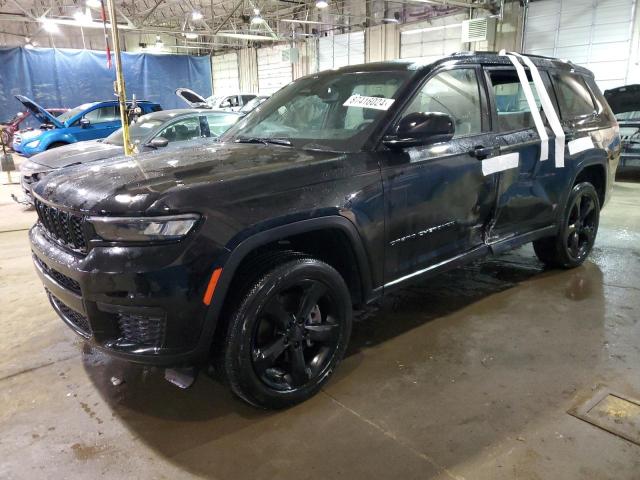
580	232
288	333
577	232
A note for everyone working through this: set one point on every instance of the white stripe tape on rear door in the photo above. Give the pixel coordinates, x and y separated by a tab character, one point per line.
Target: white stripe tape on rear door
549	110
580	145
500	163
528	94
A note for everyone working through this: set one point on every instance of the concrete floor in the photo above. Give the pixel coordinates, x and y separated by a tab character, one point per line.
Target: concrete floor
467	375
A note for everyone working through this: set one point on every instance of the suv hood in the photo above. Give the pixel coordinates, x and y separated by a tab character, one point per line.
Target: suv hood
162	182
624	99
74	153
40	113
191	98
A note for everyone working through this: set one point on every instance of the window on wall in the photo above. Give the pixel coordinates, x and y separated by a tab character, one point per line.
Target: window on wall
574	99
511	104
456	93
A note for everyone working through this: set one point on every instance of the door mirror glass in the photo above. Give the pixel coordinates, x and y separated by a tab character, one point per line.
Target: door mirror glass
422	129
85	122
159	142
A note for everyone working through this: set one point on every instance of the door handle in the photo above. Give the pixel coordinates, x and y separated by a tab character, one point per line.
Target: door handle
480	152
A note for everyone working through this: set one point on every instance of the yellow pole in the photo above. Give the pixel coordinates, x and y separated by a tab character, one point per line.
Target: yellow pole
120	87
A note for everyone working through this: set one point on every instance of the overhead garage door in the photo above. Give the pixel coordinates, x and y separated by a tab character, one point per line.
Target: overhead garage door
273	71
593	33
225	74
336	51
433	40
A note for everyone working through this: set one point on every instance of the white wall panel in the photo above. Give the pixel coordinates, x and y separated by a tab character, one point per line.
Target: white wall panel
594	33
273	71
225	74
337	51
429	41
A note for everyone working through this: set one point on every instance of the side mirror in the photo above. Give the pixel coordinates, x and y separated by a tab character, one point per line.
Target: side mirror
158	142
85	122
421	129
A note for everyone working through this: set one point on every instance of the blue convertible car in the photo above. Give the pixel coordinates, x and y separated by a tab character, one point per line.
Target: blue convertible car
88	121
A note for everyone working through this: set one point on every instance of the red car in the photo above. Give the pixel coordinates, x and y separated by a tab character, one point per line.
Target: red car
23	121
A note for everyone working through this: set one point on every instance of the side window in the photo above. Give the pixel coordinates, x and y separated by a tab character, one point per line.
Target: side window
574	99
218	124
231	101
511	104
185	129
103	114
247	98
456	93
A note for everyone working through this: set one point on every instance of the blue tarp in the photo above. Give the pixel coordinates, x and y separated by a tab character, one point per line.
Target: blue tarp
67	78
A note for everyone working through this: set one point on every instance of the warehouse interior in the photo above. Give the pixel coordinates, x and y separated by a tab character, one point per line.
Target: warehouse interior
501	368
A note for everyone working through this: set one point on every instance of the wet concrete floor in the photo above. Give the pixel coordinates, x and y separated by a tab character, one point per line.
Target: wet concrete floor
467	375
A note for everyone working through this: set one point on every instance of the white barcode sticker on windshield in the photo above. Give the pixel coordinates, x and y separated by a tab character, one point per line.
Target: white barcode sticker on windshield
377	103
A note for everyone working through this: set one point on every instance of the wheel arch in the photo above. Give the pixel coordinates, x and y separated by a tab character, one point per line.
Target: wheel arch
594	172
359	279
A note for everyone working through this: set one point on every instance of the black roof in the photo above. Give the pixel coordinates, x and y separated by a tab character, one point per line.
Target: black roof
493	58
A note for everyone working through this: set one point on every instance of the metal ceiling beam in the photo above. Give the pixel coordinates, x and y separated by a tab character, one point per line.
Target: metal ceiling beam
124	26
452	3
226	19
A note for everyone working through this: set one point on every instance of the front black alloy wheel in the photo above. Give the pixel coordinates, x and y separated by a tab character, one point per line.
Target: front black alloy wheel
577	233
288	333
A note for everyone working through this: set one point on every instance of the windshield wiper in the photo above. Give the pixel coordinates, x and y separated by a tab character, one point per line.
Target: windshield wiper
266	141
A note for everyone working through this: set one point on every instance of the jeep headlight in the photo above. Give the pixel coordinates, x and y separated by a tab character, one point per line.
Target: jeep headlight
141	229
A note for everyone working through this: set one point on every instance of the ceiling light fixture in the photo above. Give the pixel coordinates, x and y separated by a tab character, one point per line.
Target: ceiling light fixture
83	18
322	4
196	15
93	3
191	35
49	25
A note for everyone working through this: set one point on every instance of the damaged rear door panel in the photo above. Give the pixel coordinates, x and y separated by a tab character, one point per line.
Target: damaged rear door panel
527	194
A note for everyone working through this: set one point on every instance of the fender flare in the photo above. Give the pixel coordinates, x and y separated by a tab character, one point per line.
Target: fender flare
246	246
600	160
59	138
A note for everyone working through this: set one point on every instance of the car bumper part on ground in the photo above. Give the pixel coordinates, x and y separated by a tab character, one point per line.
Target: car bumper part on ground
130	309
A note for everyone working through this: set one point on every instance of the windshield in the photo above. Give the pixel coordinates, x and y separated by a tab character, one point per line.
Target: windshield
330	111
138	132
251	104
628	116
73	112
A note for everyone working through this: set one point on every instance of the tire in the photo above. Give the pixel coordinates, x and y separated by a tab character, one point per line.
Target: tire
287	333
577	233
56	145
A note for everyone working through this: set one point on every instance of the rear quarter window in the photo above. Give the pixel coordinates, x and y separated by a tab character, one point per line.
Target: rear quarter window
574	98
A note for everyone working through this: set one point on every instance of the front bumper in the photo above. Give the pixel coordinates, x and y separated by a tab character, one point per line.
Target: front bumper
25	150
141	304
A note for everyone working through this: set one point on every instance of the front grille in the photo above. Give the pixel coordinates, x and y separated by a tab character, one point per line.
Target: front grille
77	319
63	226
61	279
141	329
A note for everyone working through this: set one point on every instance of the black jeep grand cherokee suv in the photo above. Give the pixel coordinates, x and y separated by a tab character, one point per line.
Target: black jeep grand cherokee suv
342	186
